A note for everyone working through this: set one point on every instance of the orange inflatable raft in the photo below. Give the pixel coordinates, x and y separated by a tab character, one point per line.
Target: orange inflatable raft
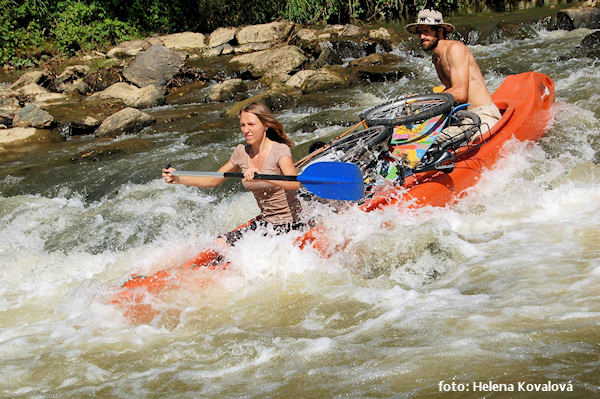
524	101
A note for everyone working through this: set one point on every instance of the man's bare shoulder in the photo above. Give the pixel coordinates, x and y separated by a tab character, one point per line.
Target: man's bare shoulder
455	47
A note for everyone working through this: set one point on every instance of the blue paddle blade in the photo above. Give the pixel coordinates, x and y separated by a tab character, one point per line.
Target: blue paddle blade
334	180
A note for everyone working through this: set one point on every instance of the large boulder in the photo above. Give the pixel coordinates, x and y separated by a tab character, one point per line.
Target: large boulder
580	17
284	59
187	41
28	78
297	80
155	66
272	32
128	120
32	116
132	96
326	78
16	135
222	36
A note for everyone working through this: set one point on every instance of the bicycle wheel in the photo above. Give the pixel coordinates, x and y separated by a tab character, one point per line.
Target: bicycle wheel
409	109
353	147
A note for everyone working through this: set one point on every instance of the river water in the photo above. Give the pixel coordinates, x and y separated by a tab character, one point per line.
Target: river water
501	287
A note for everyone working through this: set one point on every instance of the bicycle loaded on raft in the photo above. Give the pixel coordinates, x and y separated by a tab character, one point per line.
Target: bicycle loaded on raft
399	138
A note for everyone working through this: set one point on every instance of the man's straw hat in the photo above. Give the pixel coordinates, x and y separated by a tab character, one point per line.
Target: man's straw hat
427	17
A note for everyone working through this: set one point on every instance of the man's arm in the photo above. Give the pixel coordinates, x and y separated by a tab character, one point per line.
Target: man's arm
457	58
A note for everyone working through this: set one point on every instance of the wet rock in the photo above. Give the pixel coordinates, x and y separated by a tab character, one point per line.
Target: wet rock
276	101
590	45
347	48
73	72
185	76
222	36
375	59
27	79
323	119
32	116
209	68
112	150
272	32
327	78
128	120
83	117
298	78
581	17
71	79
84	126
155	66
284	59
272	81
132	96
8	109
227	90
190	93
381	73
186	41
327	57
510	31
223	49
103	78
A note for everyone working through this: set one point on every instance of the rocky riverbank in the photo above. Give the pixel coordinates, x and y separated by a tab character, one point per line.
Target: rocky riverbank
277	63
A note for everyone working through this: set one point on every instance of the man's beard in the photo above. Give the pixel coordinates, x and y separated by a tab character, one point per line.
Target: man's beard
431	45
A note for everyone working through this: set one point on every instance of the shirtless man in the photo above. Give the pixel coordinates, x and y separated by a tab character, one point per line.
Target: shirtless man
456	68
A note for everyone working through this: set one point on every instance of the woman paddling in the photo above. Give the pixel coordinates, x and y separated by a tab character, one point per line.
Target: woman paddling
267	151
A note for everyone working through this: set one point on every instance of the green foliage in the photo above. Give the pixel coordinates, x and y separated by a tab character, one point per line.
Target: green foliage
312	11
30	27
86	26
21	30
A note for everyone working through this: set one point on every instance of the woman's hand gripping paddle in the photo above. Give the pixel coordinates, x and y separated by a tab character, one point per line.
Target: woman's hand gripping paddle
330	180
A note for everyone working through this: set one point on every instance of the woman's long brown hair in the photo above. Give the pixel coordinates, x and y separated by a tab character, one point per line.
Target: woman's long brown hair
275	130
